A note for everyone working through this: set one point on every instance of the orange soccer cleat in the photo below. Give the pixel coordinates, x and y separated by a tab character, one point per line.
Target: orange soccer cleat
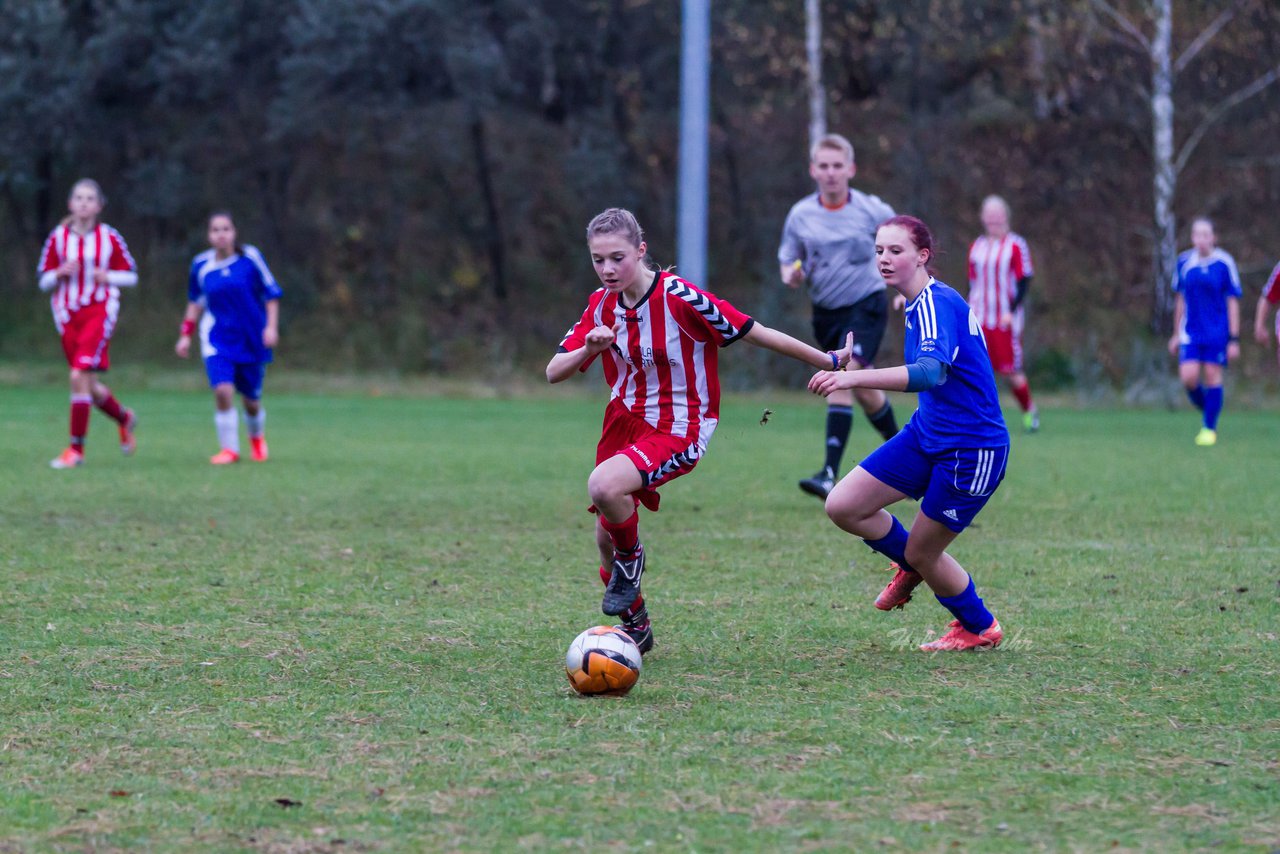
258	446
960	639
225	457
68	459
897	593
127	443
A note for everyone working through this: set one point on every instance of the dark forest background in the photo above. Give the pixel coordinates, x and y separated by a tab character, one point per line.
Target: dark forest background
419	173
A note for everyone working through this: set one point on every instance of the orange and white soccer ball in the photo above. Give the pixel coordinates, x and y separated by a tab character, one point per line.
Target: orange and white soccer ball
602	661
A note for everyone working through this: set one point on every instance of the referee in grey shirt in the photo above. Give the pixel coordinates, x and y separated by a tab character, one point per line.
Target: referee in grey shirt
829	241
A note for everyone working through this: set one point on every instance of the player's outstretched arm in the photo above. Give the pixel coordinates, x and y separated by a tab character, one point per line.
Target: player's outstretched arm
271	332
780	342
564	365
1179	312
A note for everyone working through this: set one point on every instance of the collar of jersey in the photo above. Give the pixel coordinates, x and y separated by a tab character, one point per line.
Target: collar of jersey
657	277
911	305
214	264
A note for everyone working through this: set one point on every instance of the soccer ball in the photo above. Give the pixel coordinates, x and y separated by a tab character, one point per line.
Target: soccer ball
602	661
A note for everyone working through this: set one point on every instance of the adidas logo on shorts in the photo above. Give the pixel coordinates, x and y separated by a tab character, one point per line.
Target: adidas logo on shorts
951	514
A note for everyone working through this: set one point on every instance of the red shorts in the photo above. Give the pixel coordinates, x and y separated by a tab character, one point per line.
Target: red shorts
1004	347
86	338
658	456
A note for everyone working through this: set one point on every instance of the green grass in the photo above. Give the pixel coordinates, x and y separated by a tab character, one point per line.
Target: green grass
373	625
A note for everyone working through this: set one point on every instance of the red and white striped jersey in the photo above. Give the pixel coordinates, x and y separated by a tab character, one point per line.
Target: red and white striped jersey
995	266
102	248
1272	289
663	363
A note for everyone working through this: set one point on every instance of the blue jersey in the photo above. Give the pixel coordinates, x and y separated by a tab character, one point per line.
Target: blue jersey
1205	284
964	410
234	293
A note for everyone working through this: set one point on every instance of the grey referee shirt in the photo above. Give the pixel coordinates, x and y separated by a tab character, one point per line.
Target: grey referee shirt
837	248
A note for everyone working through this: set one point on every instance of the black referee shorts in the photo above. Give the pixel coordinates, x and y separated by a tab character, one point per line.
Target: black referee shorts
866	319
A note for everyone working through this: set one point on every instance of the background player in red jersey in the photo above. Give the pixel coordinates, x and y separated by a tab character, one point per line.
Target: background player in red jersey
1000	273
659	338
84	264
1270	296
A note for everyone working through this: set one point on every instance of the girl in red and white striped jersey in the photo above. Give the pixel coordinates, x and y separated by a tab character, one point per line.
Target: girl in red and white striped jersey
1000	272
658	337
84	264
1270	297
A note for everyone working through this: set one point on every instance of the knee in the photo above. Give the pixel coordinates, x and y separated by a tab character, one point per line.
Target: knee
252	407
600	488
845	510
918	556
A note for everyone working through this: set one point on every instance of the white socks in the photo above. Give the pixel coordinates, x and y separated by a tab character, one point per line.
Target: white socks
257	424
228	427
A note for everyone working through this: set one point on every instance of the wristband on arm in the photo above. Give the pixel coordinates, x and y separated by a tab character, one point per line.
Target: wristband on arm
835	360
188	326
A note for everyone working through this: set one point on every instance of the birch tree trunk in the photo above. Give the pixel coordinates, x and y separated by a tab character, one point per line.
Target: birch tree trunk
1166	176
813	48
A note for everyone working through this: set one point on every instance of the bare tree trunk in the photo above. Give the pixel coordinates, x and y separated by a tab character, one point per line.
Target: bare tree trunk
493	234
1166	176
813	48
1036	59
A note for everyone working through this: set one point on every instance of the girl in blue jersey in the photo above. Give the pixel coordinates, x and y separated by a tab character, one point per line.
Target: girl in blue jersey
951	454
1206	323
231	286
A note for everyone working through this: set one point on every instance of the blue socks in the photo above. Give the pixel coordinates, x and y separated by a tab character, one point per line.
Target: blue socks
893	545
1196	396
1212	406
968	609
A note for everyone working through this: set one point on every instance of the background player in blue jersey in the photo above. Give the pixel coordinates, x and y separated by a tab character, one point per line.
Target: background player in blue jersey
951	454
232	287
1206	323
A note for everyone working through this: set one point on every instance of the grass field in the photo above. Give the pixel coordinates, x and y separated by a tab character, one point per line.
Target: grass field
358	646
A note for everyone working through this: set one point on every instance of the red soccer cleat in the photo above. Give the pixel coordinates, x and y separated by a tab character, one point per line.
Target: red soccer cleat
258	446
960	639
68	459
127	443
897	593
225	457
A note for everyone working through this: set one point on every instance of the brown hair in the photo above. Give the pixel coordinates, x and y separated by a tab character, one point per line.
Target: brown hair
236	245
618	221
85	182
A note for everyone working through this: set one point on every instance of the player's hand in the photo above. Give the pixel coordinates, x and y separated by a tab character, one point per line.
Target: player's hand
1006	320
1173	346
1233	351
899	302
270	336
601	338
845	355
826	382
795	274
69	267
183	347
1261	335
100	276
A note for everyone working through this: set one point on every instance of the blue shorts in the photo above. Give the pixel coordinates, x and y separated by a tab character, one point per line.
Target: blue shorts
954	484
1213	354
245	376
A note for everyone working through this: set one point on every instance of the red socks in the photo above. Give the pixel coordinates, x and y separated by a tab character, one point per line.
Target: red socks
80	404
1023	394
625	535
112	409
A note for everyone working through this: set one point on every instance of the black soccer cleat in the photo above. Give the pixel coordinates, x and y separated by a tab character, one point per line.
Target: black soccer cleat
642	635
624	582
820	484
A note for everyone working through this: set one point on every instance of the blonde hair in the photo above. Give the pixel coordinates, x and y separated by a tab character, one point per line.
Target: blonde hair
93	185
616	221
833	142
998	200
